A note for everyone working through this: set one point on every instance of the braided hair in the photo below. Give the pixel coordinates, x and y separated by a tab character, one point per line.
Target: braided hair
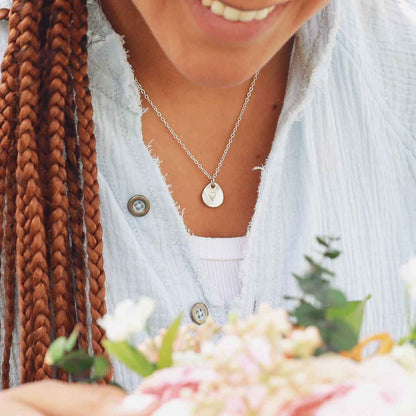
50	230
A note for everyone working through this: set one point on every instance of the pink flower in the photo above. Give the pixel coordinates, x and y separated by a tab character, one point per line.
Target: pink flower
161	393
309	406
168	384
380	387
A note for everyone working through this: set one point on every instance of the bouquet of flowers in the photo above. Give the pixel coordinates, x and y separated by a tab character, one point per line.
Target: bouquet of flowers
307	361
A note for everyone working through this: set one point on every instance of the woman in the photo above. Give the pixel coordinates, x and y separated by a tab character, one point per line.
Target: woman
323	144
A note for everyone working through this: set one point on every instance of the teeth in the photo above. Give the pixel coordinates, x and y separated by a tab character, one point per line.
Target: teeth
247	16
217	8
234	15
261	14
231	14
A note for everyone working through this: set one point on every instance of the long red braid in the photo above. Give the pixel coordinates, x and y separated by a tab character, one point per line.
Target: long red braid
49	196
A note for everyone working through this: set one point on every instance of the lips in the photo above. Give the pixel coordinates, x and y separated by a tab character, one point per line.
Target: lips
236	15
230	24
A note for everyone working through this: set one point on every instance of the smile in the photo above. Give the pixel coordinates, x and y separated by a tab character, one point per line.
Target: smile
236	15
227	23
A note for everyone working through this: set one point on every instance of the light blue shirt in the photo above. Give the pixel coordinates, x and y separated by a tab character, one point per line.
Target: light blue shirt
343	163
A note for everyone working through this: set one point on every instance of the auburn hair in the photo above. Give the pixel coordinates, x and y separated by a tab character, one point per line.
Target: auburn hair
50	230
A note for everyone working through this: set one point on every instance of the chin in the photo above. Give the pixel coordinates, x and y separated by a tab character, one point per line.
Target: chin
216	67
217	74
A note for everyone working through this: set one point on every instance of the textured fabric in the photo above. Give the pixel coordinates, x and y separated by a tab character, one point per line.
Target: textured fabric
343	162
220	260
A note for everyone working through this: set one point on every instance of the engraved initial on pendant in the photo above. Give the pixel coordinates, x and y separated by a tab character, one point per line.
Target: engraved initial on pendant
213	195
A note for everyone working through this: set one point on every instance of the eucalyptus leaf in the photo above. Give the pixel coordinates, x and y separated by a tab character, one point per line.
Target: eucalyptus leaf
330	297
311	261
307	314
332	254
76	362
313	284
317	268
324	270
322	241
166	351
130	356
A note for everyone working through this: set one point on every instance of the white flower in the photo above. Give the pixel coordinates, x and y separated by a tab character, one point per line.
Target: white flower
129	318
303	343
408	274
405	355
188	359
174	407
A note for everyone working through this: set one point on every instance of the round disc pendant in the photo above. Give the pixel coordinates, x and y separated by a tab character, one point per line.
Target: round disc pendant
213	195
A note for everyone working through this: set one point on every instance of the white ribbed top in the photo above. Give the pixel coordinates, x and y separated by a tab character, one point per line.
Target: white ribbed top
220	260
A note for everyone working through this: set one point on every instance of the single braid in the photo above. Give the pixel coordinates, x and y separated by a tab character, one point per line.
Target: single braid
32	267
89	161
58	52
10	264
76	215
8	159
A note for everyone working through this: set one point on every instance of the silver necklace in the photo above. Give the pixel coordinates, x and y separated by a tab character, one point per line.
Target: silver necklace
213	194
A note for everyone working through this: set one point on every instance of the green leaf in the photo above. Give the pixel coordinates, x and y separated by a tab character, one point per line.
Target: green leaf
56	351
311	261
72	340
317	268
331	298
307	314
130	356
166	351
332	254
313	284
351	313
76	363
100	368
323	270
338	336
322	241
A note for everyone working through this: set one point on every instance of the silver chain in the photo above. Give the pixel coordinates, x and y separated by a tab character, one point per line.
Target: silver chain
230	140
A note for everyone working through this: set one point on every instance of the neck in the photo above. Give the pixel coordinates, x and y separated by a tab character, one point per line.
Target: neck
164	82
204	117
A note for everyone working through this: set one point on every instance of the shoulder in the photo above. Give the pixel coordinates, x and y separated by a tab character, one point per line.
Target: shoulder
379	38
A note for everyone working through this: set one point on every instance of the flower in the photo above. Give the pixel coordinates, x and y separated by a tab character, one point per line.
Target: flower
378	386
175	407
128	319
170	383
188	359
408	274
303	343
406	356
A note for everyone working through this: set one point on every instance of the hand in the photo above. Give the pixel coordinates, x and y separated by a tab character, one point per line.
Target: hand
55	398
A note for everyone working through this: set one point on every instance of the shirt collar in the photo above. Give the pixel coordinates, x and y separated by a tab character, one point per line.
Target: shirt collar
311	56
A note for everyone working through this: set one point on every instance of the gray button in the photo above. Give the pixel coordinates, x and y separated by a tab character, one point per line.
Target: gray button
199	313
138	205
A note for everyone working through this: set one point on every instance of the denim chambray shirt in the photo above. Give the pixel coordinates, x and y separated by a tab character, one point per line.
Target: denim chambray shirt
343	163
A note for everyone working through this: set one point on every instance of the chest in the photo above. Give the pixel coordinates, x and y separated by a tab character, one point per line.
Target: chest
212	144
329	171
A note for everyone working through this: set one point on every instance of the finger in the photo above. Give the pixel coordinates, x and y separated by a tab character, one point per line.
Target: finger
64	399
11	408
